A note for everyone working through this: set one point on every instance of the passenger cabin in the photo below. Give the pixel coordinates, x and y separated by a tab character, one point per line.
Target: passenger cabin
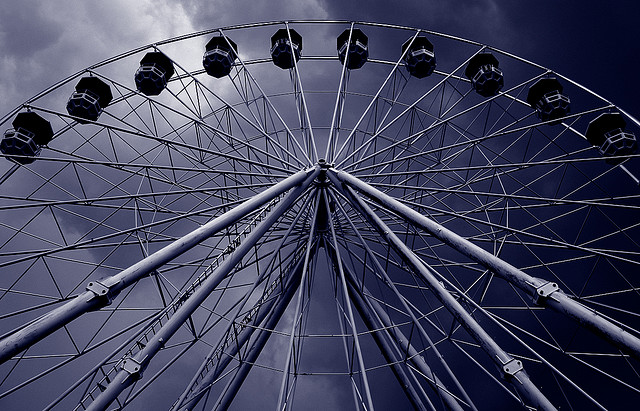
91	96
419	57
485	75
286	46
23	143
354	45
607	133
546	97
219	57
153	74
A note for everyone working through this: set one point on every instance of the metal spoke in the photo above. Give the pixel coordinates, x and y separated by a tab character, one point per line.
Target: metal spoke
438	234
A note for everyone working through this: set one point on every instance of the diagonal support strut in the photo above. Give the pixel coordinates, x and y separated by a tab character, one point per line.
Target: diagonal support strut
536	287
517	376
393	340
126	377
89	300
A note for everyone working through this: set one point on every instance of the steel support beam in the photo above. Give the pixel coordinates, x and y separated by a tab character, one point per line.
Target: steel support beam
376	318
339	104
134	367
297	87
385	277
536	287
510	368
298	311
345	291
270	312
230	391
388	344
280	282
100	294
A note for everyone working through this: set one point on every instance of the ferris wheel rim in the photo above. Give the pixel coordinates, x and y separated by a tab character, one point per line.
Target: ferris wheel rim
469	187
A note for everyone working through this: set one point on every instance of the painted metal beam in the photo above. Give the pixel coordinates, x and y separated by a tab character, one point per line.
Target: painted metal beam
543	292
511	369
377	266
376	318
100	293
389	340
230	391
270	312
298	310
345	291
133	368
208	365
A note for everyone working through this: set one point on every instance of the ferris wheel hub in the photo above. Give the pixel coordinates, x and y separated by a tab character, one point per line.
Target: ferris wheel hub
435	190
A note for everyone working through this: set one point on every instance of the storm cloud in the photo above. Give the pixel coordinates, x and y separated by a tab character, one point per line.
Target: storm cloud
44	41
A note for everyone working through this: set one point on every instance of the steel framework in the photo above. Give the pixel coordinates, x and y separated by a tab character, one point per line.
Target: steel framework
350	228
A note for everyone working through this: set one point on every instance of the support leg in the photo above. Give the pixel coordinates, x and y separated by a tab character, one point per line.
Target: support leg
511	369
270	313
100	294
536	287
393	338
133	367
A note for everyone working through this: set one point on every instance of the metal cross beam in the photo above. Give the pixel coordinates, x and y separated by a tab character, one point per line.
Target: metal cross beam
100	294
270	312
536	287
511	369
128	375
394	341
214	363
377	266
252	354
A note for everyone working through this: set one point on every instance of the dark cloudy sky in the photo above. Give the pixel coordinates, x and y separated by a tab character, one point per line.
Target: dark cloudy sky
592	42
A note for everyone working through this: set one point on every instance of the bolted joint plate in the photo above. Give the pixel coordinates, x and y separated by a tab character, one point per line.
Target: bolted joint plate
544	291
510	369
132	366
100	290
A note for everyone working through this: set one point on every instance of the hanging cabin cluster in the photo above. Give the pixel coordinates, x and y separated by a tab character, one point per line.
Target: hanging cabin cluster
92	95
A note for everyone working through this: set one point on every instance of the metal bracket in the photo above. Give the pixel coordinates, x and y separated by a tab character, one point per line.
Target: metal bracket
544	291
510	369
132	366
100	290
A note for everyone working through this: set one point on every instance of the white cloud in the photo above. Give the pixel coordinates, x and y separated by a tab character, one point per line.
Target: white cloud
220	13
51	39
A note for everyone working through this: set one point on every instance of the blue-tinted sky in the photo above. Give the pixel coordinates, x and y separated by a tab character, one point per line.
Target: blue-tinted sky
592	42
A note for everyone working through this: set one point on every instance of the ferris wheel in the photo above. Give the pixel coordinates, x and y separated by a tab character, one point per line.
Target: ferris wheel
319	215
